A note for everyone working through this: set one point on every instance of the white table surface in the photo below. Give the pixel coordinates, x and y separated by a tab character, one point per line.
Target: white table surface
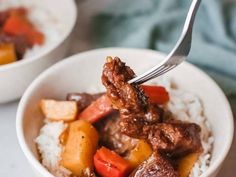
12	161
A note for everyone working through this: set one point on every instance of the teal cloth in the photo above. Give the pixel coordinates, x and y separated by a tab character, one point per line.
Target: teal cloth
157	24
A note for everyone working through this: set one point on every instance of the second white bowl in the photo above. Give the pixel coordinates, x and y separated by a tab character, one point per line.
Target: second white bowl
16	77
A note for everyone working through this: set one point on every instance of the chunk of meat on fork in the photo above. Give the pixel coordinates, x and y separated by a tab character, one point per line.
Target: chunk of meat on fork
133	104
141	119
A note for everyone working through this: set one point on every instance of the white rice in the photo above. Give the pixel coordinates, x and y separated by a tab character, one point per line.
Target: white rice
44	21
183	105
50	148
186	106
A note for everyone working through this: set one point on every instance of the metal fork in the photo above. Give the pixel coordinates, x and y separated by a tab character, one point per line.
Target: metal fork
178	53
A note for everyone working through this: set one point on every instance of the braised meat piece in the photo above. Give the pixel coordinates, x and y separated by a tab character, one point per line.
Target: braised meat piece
155	166
134	107
112	137
83	99
141	119
175	138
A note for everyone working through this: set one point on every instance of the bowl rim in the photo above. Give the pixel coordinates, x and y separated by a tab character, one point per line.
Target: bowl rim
22	105
42	54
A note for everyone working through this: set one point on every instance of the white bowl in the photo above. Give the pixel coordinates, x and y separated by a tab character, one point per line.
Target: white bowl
16	77
82	72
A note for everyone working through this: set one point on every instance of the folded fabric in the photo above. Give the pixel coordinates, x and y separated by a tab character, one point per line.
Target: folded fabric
157	24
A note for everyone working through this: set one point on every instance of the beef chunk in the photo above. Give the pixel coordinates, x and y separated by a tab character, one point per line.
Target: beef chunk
112	137
155	166
141	119
135	109
83	99
175	138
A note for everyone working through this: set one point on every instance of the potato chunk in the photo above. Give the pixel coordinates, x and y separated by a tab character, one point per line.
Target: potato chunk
186	164
140	153
59	110
7	54
81	145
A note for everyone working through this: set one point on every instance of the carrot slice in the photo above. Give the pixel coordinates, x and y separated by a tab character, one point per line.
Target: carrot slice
108	163
157	94
97	110
19	25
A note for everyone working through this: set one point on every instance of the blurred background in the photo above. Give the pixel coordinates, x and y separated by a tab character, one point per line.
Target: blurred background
153	24
157	24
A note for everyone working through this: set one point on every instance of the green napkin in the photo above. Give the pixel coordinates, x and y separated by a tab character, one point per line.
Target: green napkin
157	24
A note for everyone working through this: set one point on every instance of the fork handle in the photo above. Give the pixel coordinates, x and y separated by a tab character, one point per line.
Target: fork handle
186	36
